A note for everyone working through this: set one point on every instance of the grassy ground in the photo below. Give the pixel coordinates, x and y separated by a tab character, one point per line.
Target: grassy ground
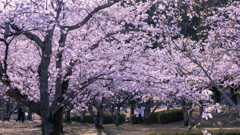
32	127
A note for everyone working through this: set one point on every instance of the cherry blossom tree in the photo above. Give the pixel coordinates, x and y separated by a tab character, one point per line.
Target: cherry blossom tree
53	31
213	61
57	53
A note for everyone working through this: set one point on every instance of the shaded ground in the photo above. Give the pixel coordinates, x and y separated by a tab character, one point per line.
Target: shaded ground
33	128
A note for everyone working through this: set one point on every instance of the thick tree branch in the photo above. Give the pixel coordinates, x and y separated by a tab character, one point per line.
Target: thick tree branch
73	94
16	93
29	35
89	16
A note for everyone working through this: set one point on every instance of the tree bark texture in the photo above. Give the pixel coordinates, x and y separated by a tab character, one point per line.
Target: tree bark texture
67	118
186	106
117	115
147	110
98	119
83	114
29	117
169	105
44	98
132	110
190	111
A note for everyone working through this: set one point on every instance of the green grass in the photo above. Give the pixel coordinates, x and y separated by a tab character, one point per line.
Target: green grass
73	131
76	128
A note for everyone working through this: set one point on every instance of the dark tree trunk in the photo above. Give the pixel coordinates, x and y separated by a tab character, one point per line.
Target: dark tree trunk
8	109
4	111
185	113
61	130
112	108
233	95
118	112
147	110
190	119
146	121
185	116
12	108
29	117
67	118
117	116
98	119
7	112
44	95
201	108
56	121
169	105
186	107
132	110
83	113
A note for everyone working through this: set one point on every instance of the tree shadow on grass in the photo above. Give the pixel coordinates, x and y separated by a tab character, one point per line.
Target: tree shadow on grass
102	132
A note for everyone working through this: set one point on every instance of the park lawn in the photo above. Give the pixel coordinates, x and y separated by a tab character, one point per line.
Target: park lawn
33	127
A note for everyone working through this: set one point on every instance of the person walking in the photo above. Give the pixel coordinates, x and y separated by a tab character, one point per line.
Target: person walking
140	114
20	114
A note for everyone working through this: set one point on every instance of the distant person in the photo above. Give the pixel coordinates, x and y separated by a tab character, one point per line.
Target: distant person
20	114
140	114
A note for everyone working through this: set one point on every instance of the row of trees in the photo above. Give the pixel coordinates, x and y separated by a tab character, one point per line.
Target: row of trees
84	53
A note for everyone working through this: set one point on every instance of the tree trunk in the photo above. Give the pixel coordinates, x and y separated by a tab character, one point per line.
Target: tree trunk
132	110
7	116
147	110
233	95
7	112
83	120
4	111
201	108
169	105
44	98
117	116
10	110
185	113
55	132
67	118
112	108
29	117
1	103
190	119
98	119
56	121
185	116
